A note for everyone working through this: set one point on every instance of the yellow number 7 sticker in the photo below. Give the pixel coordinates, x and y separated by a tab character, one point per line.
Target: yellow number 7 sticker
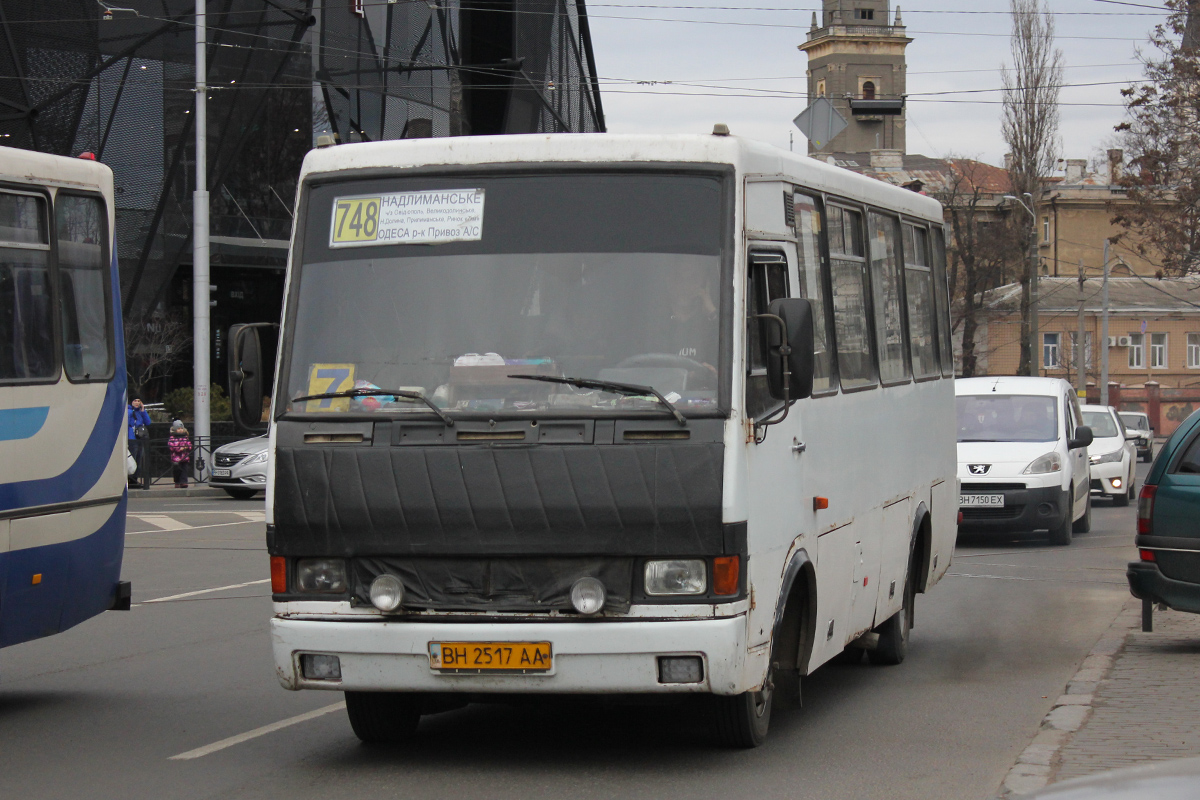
355	220
328	379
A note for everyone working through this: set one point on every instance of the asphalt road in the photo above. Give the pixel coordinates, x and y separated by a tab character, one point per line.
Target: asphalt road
99	711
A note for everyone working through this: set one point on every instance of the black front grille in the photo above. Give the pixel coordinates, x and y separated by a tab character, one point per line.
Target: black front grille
992	487
1096	485
227	459
495	584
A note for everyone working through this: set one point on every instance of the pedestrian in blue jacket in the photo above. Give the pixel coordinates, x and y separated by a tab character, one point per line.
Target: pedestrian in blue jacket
138	419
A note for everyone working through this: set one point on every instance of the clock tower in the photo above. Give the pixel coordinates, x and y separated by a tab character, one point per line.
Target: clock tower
856	60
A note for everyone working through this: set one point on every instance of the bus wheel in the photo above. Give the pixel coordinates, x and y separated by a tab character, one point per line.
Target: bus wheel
742	720
382	717
893	633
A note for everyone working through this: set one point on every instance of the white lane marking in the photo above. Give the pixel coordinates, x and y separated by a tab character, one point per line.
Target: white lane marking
252	516
162	522
182	511
204	591
1038	580
995	577
194	527
199	752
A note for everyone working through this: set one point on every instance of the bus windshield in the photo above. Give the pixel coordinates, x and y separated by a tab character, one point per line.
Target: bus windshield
609	277
1007	418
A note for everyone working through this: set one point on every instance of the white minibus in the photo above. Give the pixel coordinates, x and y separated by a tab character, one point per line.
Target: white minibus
602	414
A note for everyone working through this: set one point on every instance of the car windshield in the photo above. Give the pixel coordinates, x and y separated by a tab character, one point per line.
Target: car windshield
544	289
1135	422
1007	418
1102	424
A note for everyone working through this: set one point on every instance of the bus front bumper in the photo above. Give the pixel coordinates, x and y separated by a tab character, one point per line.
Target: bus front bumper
587	658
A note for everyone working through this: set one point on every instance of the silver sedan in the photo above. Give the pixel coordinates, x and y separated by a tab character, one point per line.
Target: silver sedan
240	468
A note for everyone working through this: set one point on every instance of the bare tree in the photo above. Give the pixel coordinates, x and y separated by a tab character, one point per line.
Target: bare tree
980	248
153	348
1161	138
1030	123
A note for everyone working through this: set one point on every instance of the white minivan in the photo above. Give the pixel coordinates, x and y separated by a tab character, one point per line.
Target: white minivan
1022	456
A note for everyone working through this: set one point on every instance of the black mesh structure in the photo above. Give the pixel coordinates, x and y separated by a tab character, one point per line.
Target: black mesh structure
116	78
458	67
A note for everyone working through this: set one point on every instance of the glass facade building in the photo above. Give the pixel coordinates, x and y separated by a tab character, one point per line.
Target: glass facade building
116	79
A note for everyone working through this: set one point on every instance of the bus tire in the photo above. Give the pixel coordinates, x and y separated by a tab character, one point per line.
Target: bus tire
383	717
241	494
894	632
742	720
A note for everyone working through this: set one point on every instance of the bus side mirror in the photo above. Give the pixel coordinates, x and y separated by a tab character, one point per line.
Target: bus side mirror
1083	437
246	376
796	315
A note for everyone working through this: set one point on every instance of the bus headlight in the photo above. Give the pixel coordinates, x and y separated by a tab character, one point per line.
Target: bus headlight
387	592
676	576
321	575
588	596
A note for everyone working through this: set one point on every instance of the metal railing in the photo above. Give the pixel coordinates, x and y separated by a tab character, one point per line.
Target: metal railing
856	30
156	466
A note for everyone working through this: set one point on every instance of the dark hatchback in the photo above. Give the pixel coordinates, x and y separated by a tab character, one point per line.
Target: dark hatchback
1168	527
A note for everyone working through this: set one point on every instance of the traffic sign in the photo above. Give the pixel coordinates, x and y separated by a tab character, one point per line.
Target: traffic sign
820	122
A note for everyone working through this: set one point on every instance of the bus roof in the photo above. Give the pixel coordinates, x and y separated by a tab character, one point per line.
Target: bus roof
30	166
747	156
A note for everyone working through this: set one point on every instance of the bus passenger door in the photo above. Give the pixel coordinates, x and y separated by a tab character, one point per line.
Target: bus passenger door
773	467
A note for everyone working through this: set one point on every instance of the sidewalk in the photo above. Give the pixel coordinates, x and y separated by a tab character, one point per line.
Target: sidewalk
1135	700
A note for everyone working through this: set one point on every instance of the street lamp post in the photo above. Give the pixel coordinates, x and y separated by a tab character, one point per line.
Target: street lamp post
200	245
1035	355
1104	331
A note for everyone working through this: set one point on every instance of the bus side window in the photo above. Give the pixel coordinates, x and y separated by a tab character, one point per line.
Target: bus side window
942	298
848	267
767	281
83	278
922	316
889	314
812	287
26	299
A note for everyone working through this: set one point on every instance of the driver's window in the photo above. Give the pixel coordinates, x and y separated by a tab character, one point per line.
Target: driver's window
767	281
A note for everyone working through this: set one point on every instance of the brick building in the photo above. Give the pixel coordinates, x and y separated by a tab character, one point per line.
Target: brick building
1153	347
1075	217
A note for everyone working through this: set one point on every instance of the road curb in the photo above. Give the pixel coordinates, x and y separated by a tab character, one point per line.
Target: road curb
1037	763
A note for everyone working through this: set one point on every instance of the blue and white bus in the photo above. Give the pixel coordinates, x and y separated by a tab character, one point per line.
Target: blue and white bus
62	397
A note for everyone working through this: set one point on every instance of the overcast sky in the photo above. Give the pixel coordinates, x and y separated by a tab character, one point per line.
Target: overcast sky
730	64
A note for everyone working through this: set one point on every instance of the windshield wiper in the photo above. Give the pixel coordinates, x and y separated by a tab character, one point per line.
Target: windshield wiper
630	389
402	394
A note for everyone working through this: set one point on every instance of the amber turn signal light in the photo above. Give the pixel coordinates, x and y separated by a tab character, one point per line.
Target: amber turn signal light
725	574
278	574
820	503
